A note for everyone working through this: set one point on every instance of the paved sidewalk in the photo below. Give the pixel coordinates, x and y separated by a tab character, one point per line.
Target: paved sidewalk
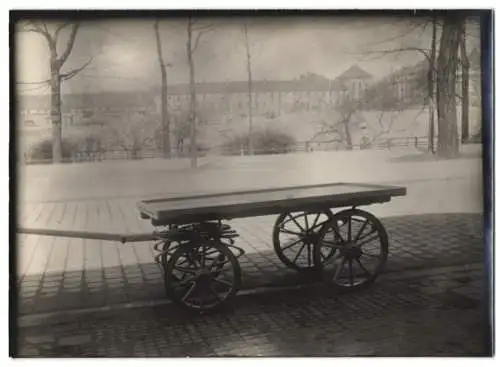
53	278
438	313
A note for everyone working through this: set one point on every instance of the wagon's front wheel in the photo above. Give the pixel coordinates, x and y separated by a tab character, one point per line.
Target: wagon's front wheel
361	247
202	276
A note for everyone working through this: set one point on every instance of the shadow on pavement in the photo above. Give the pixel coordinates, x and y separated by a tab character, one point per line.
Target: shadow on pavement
416	242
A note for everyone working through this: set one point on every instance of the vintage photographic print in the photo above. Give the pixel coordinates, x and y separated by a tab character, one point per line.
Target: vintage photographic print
250	184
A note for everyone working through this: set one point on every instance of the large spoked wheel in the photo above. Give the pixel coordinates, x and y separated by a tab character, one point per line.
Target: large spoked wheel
360	248
202	276
295	235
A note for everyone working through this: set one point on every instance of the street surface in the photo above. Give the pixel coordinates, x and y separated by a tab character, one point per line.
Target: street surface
432	314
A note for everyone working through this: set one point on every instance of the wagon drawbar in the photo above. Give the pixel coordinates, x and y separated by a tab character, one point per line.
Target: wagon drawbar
347	248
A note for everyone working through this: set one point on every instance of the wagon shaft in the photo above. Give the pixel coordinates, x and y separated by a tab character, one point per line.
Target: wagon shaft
103	236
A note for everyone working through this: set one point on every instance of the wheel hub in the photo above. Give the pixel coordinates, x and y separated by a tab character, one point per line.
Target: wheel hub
310	237
352	253
204	280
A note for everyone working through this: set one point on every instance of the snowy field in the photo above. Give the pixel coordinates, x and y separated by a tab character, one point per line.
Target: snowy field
157	178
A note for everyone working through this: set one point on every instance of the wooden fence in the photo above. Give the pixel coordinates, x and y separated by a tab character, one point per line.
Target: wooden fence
419	142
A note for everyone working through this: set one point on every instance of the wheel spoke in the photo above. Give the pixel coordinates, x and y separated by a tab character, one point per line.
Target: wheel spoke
339	269
298	253
349	230
307	222
291	244
210	252
356	239
185	282
367	241
337	234
332	245
191	261
351	282
218	262
316	220
287	231
367	235
363	268
297	223
223	282
332	259
203	256
370	255
309	253
188	293
214	292
184	270
319	225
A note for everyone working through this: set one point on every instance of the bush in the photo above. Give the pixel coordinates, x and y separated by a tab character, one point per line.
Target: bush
264	142
43	150
70	147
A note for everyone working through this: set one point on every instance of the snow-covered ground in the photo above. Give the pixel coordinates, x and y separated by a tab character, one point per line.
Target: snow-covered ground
433	185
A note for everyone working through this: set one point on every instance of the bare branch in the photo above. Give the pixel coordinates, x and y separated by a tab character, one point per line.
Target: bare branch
34	83
202	28
201	31
74	72
69	45
158	43
413	26
37	28
59	29
382	53
44	26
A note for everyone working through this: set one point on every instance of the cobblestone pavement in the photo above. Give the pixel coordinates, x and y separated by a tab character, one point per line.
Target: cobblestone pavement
417	241
421	313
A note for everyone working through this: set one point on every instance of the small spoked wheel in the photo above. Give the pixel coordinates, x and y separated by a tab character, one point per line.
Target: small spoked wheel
202	276
294	237
359	248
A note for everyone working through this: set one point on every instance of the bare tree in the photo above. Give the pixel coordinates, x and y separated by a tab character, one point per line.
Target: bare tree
434	74
165	118
51	33
132	134
447	65
181	129
250	89
430	56
339	120
194	33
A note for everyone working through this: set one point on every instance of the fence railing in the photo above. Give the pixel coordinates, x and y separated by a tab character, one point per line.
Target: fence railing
419	142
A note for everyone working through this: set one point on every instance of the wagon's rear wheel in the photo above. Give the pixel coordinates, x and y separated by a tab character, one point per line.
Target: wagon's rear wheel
361	249
202	276
294	237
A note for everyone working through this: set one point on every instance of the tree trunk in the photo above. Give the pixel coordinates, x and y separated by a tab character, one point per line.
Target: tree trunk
165	121
431	81
446	88
348	137
192	101
250	89
55	113
465	85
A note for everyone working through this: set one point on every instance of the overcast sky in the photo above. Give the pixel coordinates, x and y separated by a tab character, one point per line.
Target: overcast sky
283	48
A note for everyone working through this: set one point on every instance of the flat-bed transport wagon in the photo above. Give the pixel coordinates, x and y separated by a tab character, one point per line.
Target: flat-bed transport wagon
319	231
